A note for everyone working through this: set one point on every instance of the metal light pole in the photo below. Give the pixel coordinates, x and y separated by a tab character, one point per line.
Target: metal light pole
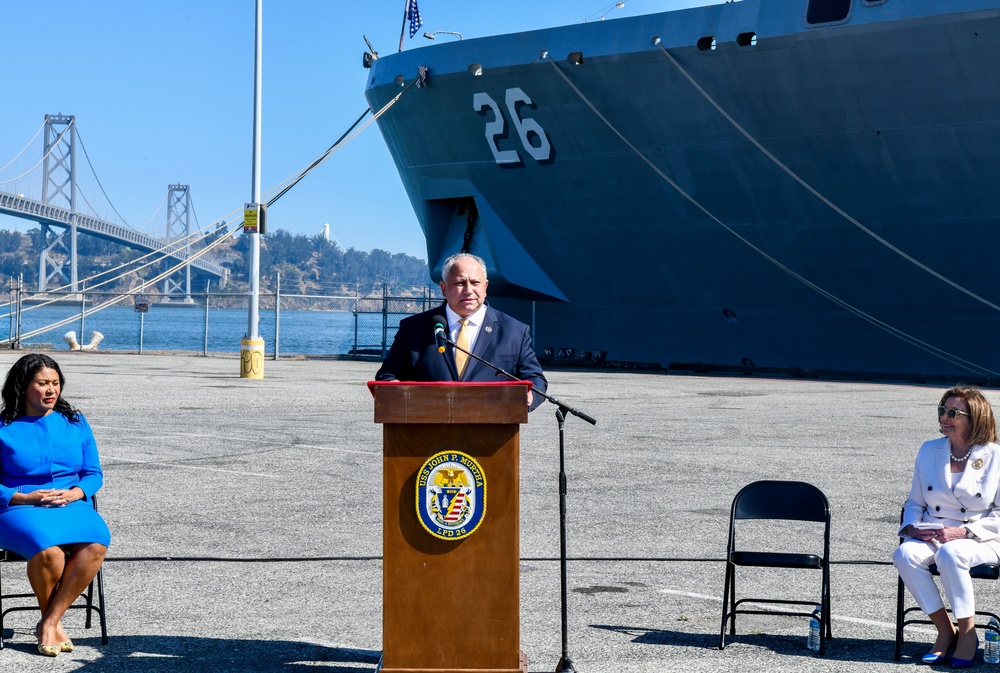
252	345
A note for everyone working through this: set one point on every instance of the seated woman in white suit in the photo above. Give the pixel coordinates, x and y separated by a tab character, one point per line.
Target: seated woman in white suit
952	518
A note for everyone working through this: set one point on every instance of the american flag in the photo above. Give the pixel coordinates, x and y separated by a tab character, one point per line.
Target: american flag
455	510
413	15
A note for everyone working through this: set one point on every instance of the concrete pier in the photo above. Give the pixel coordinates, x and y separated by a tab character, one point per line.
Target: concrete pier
246	518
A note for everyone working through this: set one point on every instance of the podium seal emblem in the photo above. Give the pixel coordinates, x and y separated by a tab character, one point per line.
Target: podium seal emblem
451	495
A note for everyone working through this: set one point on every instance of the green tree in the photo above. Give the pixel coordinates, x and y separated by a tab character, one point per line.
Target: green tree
10	241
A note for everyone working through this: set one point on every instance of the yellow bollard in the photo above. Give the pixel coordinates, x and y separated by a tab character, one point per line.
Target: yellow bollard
252	359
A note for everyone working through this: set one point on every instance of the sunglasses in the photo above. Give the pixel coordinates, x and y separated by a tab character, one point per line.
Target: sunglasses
951	413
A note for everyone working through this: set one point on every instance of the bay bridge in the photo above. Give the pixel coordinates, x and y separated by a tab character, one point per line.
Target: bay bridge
57	212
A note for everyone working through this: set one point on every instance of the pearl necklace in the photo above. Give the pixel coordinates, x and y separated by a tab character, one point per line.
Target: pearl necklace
963	458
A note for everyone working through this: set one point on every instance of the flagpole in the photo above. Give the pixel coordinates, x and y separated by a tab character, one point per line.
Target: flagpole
402	30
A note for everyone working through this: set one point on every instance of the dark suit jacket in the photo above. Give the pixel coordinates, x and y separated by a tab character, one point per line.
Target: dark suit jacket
502	340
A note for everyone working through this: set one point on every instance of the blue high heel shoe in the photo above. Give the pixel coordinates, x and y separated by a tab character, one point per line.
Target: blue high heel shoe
965	663
932	659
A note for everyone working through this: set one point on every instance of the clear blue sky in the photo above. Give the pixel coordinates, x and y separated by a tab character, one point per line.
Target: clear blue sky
163	92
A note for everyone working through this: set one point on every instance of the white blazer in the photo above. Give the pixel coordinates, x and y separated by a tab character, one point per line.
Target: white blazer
972	502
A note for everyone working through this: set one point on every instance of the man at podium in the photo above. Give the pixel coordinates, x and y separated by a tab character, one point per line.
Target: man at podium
473	325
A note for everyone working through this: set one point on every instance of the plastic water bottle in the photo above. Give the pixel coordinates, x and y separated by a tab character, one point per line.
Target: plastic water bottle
814	626
991	652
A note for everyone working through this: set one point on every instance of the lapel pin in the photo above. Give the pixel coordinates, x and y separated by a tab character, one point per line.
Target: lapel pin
977	464
489	329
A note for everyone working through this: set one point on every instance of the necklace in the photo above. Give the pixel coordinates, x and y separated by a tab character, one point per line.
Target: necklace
963	458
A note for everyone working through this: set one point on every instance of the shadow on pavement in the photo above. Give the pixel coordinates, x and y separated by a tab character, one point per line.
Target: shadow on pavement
838	649
164	654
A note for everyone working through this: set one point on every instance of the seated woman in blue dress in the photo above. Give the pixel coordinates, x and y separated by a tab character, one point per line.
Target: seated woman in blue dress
49	471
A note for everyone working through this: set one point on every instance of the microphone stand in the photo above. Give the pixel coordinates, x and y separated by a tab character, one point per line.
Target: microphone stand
500	372
565	664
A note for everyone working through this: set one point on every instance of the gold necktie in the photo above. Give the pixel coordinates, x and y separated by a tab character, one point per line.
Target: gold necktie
462	340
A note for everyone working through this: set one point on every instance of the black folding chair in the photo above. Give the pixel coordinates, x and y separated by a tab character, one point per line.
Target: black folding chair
86	601
787	501
985	571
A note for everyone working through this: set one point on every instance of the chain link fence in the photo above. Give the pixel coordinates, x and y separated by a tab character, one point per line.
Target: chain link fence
376	320
349	326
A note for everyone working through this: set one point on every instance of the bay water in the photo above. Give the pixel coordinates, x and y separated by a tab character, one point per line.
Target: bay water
184	328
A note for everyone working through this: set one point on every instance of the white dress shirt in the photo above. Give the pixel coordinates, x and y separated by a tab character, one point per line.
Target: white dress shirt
475	322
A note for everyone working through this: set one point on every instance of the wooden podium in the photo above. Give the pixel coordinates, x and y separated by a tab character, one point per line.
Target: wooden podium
449	604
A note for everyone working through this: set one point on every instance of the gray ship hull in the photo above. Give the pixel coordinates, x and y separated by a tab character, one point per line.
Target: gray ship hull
624	215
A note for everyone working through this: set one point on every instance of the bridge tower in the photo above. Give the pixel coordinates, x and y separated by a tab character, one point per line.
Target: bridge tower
59	189
179	227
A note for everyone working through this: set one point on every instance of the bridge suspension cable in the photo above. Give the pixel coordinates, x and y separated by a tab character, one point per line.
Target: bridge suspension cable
24	149
352	132
94	173
45	155
145	227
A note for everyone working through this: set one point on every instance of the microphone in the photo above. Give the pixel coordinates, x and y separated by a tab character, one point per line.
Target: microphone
440	325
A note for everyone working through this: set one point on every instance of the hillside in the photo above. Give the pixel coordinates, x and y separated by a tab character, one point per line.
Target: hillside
308	265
